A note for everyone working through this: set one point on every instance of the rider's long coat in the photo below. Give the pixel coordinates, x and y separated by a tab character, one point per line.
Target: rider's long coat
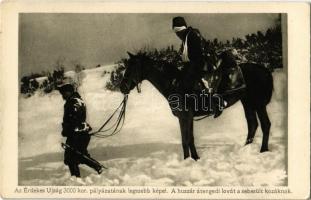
193	69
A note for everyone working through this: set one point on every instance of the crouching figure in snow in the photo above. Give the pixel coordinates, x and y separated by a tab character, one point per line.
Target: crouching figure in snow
76	129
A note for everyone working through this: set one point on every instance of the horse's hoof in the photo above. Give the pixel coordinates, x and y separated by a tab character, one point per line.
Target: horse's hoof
246	143
185	157
196	158
249	141
263	150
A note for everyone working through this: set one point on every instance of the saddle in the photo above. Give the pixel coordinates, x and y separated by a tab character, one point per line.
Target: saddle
223	81
220	75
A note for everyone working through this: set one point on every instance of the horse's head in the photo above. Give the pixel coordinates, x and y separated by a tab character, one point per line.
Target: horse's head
133	75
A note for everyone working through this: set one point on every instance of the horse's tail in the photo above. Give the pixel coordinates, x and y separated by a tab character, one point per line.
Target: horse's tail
269	86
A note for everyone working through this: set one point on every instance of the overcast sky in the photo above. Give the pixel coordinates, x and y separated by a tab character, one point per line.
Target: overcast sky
92	39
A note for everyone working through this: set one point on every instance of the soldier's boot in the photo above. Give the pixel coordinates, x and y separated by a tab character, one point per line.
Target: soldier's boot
218	111
93	164
74	170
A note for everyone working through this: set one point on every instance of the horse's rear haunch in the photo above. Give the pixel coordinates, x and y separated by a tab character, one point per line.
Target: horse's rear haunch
259	86
255	97
259	83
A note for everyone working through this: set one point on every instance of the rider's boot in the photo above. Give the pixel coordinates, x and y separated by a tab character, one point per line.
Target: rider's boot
217	113
218	110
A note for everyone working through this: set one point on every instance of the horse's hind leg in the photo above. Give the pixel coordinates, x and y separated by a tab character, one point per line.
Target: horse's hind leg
265	127
252	123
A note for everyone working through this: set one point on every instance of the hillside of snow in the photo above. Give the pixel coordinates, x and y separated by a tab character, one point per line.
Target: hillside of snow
148	149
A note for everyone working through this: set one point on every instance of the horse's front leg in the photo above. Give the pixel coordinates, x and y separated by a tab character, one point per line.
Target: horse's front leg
184	135
186	128
194	154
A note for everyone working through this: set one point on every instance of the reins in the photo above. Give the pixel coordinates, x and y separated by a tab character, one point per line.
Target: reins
117	126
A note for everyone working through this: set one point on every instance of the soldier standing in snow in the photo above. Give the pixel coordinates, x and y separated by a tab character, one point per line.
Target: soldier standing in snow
76	129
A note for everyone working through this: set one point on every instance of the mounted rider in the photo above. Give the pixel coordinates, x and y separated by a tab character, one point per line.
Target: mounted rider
196	58
191	53
201	64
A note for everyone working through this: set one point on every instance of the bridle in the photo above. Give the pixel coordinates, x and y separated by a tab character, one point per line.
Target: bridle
117	126
137	80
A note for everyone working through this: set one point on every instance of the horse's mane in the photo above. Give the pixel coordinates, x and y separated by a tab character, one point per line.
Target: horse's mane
169	69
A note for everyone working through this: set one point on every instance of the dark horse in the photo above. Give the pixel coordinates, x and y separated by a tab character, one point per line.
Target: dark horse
254	98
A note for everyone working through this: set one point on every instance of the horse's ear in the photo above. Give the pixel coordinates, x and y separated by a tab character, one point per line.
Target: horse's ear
130	54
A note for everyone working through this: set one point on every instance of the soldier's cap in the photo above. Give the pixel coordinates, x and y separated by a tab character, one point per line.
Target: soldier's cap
178	22
65	85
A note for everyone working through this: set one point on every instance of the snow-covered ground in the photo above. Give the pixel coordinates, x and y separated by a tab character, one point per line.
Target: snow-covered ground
148	151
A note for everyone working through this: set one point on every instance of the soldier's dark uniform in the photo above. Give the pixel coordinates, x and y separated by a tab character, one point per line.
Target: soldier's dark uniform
197	58
193	69
76	129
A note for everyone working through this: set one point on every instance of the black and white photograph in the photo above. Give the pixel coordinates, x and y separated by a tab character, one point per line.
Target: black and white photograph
205	100
163	104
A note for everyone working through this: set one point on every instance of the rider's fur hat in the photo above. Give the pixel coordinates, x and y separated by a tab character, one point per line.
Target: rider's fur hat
178	22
